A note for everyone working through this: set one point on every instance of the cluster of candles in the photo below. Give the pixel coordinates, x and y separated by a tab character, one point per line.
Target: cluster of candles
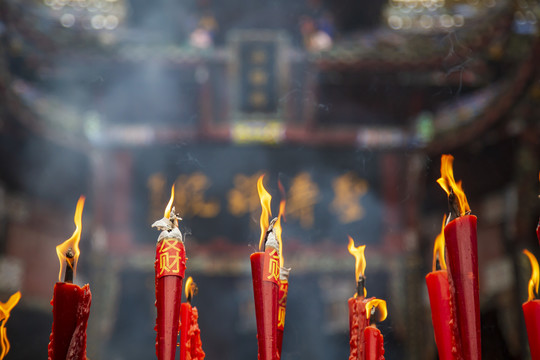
452	288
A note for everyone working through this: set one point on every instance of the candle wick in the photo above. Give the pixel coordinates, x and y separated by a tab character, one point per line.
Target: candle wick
360	286
453	205
70	259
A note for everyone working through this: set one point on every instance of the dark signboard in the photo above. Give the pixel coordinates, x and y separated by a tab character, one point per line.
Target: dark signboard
330	193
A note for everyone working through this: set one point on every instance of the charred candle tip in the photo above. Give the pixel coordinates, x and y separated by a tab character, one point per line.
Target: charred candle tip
361	286
453	205
70	258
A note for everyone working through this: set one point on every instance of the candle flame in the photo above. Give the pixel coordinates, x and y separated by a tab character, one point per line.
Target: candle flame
447	182
278	230
438	249
265	199
5	310
73	242
359	257
190	288
378	304
167	212
533	282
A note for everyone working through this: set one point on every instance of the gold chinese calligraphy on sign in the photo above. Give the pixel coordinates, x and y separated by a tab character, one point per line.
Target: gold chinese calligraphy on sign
303	195
243	198
348	189
192	200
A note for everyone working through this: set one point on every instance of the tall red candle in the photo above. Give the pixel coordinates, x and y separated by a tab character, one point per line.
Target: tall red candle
461	246
531	309
442	315
374	343
462	257
190	334
373	339
358	321
265	273
170	267
444	325
358	318
71	303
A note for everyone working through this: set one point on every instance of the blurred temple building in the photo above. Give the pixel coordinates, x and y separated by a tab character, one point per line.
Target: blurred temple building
348	104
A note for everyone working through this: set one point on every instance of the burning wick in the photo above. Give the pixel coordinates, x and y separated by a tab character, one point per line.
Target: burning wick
70	258
361	286
193	290
453	205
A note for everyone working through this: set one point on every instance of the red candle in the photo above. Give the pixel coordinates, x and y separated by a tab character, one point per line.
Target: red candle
461	245
462	252
265	273
5	310
358	321
170	267
265	266
190	334
442	316
531	309
71	303
373	339
374	343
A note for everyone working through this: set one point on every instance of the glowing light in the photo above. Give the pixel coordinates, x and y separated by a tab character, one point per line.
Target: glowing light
190	288
533	282
439	248
447	182
265	199
167	212
378	304
73	242
359	257
5	310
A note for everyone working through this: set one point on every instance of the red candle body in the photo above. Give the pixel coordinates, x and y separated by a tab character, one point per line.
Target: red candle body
357	323
444	325
531	311
185	316
282	310
170	267
461	246
265	275
71	309
374	343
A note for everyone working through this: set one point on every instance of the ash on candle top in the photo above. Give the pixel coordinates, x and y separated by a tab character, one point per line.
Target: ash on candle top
271	238
169	226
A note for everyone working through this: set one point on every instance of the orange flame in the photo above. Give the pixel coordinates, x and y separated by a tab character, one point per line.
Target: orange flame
439	248
533	282
447	182
5	309
265	199
378	304
278	228
72	242
167	212
190	288
359	257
